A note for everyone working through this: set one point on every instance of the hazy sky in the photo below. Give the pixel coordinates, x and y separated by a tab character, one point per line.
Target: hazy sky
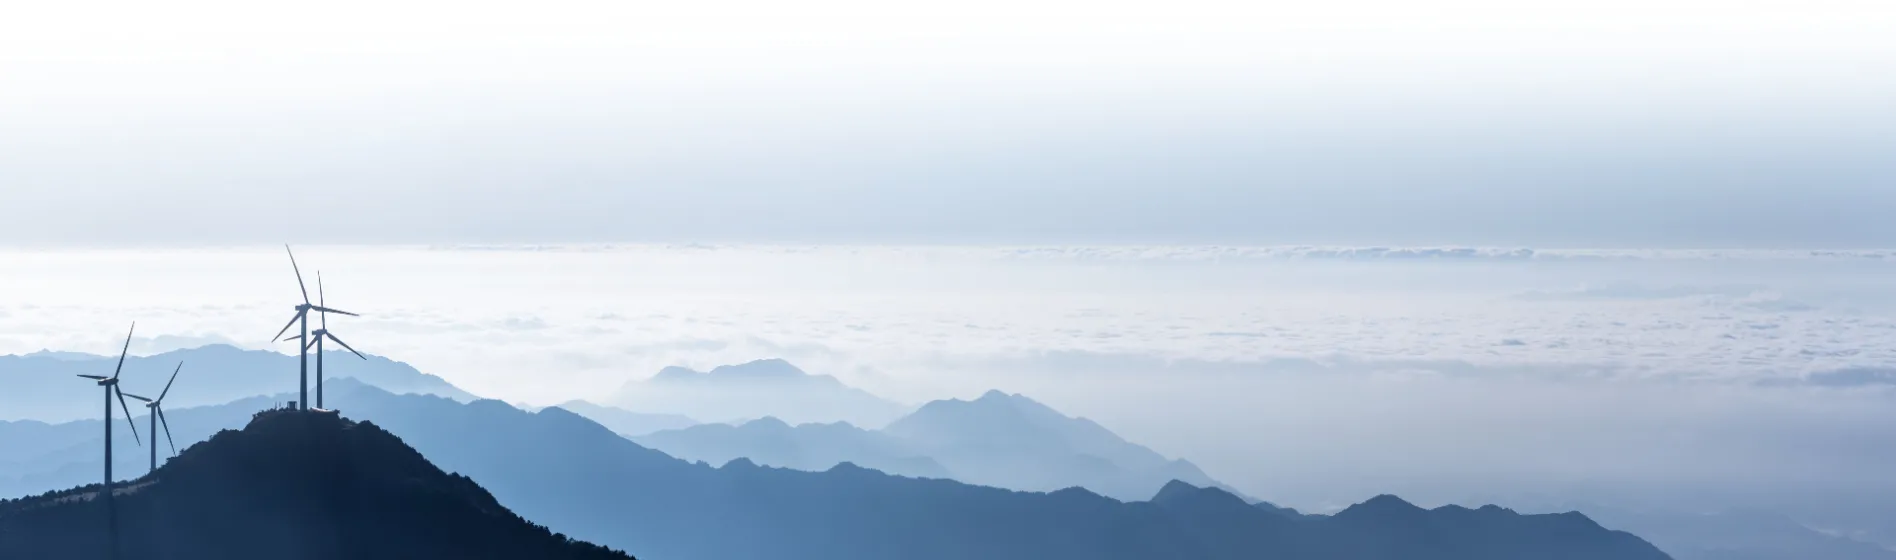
1618	123
833	141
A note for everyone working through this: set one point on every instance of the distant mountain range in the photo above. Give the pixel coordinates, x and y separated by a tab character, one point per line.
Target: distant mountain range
291	485
1013	441
806	447
1737	535
1002	440
754	390
627	423
569	473
38	385
35	456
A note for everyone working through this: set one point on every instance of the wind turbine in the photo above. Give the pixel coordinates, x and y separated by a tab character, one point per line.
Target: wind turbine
111	386
302	317
157	410
316	337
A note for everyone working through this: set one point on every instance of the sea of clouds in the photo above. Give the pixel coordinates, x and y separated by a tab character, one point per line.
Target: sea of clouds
1310	375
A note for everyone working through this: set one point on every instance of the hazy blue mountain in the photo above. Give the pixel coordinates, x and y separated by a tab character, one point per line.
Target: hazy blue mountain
1737	535
42	386
1280	510
290	485
754	390
627	423
1001	440
809	447
1012	441
36	456
578	477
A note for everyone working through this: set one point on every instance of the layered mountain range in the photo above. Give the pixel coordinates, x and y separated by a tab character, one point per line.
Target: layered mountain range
754	390
41	386
561	470
998	440
1002	440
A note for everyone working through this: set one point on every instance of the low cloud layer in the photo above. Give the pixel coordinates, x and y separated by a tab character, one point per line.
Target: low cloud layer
1304	380
593	317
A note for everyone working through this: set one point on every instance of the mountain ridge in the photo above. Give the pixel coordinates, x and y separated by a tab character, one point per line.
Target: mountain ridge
217	373
999	439
626	422
560	469
749	390
290	484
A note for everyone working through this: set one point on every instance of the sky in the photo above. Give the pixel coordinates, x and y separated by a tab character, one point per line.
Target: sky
1676	123
1309	245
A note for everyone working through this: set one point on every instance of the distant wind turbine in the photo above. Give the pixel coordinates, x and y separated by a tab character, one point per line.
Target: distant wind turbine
316	337
302	317
111	386
157	410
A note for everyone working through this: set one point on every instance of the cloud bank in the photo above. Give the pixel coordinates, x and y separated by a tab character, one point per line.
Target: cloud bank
1702	378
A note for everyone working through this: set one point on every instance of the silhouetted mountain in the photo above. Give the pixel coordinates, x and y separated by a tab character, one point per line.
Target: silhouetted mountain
809	447
38	385
627	423
1277	509
1012	441
1736	535
1387	527
35	456
752	390
290	485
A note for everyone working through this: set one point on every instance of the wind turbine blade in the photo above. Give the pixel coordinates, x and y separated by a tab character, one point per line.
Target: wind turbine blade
299	274
311	344
336	311
286	327
128	416
344	345
125	394
98	377
160	411
321	300
122	351
174	379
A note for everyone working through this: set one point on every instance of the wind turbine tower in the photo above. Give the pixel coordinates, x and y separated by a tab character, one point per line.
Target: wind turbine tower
111	386
157	409
302	318
316	337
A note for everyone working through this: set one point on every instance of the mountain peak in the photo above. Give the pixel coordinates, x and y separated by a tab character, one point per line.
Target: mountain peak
997	397
307	481
1382	507
767	422
1389	502
769	387
1178	493
766	368
676	373
1174	490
